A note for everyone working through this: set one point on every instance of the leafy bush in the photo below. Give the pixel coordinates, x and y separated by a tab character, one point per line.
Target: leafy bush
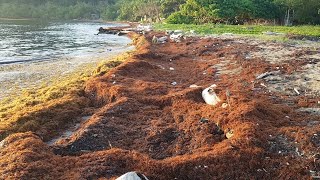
179	18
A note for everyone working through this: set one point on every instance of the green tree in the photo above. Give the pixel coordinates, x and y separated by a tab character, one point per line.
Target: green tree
307	12
201	11
236	11
299	11
265	9
179	18
170	6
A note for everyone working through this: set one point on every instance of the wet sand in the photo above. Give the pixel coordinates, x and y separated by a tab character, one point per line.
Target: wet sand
18	77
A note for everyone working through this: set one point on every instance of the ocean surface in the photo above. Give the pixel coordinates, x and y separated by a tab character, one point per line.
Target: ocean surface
35	52
25	41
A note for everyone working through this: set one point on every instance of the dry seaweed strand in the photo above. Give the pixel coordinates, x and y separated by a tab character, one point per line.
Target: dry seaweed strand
154	126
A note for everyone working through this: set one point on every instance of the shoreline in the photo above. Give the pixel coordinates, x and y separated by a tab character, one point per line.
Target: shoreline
17	19
147	115
35	73
73	20
54	89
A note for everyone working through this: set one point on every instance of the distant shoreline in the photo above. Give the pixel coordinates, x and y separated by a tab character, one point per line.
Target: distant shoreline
76	20
17	19
72	20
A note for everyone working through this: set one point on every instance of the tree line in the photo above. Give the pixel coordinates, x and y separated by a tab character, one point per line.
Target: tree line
51	9
173	11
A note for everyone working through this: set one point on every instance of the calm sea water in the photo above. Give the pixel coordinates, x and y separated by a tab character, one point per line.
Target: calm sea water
25	41
33	53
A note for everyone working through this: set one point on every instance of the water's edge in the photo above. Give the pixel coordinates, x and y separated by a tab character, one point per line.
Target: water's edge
18	75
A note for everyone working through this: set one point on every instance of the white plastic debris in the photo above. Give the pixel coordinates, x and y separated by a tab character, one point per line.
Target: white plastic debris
2	144
169	32
263	85
178	31
225	105
248	56
146	28
209	96
132	176
171	69
163	39
194	86
154	40
229	134
176	36
160	66
174	83
266	74
296	90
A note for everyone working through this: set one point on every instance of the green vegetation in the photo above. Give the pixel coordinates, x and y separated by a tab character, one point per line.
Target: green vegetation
241	29
244	11
286	12
50	9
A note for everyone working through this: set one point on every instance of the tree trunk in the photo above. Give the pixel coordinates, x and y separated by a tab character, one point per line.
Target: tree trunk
287	18
292	16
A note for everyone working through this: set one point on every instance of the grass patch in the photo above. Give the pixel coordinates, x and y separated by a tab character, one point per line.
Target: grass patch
205	29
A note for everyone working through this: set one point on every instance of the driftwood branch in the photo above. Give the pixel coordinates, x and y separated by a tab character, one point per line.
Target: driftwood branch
114	31
120	31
